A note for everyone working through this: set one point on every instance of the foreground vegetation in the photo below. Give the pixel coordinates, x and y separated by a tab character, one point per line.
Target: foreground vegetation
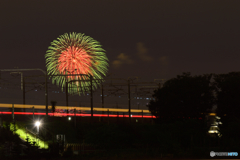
181	139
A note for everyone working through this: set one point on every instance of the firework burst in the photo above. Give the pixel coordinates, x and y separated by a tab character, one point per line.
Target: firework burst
74	54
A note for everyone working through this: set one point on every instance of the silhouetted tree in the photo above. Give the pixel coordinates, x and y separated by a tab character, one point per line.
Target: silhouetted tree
184	96
228	108
228	94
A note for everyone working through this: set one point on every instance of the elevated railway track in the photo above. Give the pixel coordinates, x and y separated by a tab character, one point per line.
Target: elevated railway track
72	111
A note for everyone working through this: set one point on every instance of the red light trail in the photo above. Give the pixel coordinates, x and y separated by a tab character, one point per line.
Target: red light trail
72	114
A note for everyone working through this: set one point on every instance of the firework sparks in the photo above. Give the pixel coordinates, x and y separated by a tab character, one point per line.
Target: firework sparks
76	53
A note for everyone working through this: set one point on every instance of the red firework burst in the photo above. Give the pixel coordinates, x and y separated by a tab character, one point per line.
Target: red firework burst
75	61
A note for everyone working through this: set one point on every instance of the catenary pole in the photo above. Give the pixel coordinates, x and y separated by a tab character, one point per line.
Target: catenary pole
33	69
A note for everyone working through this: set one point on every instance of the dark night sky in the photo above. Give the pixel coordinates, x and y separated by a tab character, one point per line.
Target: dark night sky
146	38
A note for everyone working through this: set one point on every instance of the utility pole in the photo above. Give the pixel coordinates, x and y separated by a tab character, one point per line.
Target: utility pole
46	94
100	118
91	78
129	101
23	89
102	98
117	112
22	84
138	106
33	113
75	118
34	69
13	112
13	118
66	84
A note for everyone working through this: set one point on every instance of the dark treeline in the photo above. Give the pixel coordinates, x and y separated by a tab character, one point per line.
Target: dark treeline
190	96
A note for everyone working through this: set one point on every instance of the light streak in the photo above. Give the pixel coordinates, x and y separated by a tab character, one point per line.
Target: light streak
26	106
72	114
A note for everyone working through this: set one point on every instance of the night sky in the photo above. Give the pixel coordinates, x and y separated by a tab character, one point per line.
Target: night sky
151	39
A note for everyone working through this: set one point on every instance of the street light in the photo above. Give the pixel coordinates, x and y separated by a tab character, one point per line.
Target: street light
37	124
